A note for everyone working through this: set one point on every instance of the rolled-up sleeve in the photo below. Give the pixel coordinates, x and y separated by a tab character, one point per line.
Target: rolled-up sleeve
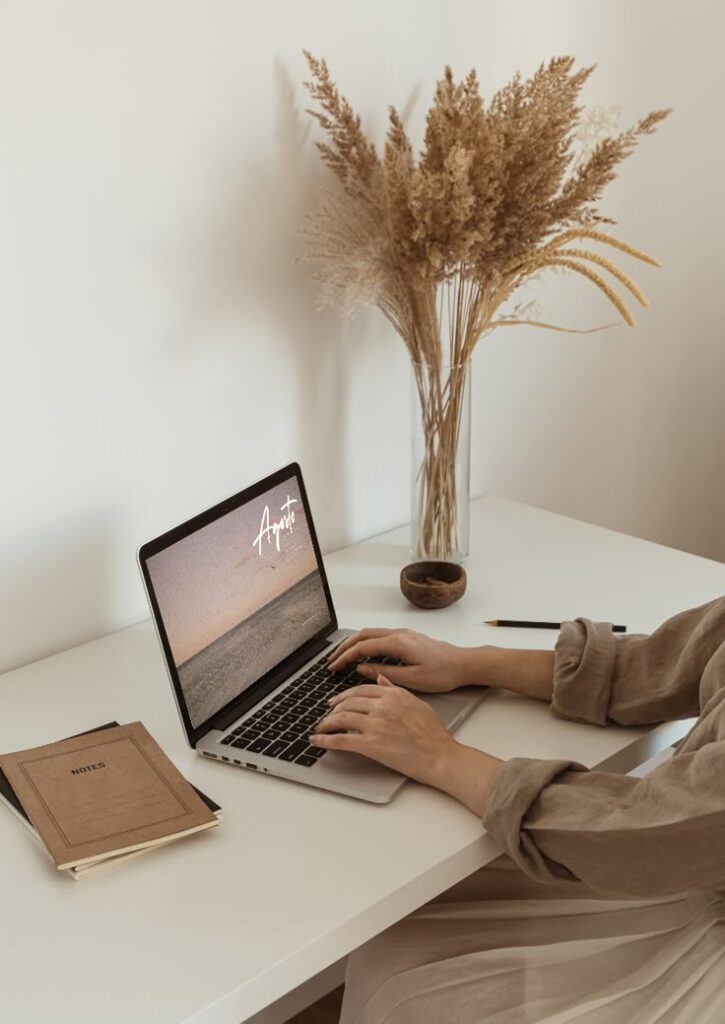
651	836
662	834
600	677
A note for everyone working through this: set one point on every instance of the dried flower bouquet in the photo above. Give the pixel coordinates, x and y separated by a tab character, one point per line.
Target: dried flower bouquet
499	193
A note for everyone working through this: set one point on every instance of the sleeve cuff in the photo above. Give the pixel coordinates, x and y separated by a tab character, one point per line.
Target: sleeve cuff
516	787
583	671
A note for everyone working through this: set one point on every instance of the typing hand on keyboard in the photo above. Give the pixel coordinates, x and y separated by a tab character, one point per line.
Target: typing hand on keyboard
408	659
281	726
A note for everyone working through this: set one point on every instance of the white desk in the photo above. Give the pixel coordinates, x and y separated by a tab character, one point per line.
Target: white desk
216	928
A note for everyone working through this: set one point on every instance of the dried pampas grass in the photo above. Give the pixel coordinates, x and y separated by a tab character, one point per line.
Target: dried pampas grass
440	243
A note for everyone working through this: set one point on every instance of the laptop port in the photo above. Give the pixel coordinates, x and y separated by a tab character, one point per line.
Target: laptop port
250	765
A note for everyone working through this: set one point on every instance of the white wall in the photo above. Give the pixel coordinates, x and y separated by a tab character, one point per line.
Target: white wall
161	349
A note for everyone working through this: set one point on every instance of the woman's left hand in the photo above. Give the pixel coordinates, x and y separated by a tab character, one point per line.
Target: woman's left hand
390	725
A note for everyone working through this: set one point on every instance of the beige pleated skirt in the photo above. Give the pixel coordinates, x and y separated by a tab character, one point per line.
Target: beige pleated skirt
500	948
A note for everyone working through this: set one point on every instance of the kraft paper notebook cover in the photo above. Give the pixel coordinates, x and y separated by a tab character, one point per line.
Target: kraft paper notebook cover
8	797
104	793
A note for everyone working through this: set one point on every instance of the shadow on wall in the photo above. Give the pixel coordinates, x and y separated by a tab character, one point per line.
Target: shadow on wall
46	592
313	338
244	269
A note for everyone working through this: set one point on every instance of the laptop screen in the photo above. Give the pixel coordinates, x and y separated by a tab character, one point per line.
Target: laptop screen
238	595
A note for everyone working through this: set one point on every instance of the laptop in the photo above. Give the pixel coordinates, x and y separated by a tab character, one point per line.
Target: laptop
246	622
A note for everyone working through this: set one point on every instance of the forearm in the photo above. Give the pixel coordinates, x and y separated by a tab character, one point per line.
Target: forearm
530	673
467	775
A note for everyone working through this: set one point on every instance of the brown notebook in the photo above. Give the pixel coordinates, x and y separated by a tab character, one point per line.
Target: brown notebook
104	793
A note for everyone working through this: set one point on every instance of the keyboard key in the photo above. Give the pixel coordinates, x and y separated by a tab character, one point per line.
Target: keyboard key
272	733
289	736
276	748
305	761
241	744
251	734
293	750
315	751
228	739
258	746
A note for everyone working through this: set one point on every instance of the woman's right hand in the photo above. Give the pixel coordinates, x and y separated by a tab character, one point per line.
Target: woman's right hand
430	666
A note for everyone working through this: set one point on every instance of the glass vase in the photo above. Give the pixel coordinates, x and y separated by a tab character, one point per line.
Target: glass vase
441	463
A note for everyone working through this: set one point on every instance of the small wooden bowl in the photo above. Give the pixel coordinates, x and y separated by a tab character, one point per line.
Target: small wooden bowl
433	584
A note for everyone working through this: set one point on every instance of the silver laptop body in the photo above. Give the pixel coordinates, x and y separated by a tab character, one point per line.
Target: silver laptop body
243	612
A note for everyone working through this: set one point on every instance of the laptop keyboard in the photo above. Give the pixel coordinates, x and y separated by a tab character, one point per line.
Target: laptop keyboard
280	728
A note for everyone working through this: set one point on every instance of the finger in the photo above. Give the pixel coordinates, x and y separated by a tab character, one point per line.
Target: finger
370	642
363	690
343	720
399	674
353	741
374	647
384	681
363	634
364	705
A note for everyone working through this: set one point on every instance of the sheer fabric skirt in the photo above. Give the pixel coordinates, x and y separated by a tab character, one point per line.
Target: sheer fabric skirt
500	948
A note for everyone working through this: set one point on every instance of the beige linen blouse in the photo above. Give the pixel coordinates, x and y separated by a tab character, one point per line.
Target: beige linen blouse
661	834
621	919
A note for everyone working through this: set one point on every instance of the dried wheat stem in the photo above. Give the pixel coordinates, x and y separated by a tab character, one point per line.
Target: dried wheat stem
582	268
614	270
605	239
550	327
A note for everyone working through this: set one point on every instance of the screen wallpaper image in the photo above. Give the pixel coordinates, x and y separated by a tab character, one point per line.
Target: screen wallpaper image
239	596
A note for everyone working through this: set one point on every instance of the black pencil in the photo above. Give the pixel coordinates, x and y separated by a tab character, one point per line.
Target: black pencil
522	624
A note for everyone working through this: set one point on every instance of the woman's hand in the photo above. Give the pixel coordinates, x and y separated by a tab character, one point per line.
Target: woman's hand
389	725
397	729
431	666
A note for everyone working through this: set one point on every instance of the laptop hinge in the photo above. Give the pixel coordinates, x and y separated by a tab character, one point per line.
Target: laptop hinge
256	693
